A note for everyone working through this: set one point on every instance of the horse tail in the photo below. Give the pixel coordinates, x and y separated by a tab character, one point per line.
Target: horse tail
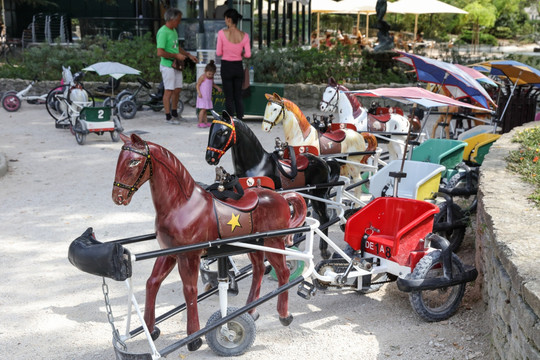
298	215
371	141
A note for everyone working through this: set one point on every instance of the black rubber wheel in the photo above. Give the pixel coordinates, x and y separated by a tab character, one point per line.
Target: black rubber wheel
79	136
127	109
467	181
14	56
11	102
242	330
115	137
180	108
110	102
438	304
459	180
456	234
55	104
123	95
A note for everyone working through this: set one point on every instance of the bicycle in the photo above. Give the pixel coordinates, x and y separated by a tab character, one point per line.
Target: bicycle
65	102
11	100
10	52
129	103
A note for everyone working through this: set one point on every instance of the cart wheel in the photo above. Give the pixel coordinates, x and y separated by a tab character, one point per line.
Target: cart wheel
456	234
115	137
295	266
79	136
56	107
127	109
11	102
108	102
124	94
242	330
348	213
180	108
438	304
459	181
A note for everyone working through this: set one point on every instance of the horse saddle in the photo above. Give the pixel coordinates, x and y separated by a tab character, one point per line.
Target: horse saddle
377	122
340	126
234	217
330	141
389	110
257	181
289	182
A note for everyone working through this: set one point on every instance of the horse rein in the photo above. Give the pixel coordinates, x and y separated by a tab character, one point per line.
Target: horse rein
332	107
273	123
232	137
147	163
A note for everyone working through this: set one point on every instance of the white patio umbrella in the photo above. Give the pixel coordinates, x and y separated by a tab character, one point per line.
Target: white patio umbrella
113	69
418	7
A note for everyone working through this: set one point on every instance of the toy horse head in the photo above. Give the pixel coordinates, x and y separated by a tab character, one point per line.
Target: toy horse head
330	96
273	113
221	137
67	76
133	169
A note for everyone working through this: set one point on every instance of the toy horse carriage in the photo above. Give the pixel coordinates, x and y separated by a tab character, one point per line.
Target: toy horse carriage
389	236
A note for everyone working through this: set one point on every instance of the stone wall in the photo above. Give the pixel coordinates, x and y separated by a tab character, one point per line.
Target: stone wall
508	252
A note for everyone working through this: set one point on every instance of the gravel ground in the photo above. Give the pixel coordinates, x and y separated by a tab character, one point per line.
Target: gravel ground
55	189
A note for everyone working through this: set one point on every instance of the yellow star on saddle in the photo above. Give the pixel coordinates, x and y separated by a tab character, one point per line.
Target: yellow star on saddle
234	222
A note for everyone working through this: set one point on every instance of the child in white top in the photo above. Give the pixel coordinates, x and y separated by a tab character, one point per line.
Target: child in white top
205	83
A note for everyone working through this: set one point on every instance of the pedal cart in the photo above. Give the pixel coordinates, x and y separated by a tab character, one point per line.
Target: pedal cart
97	120
391	238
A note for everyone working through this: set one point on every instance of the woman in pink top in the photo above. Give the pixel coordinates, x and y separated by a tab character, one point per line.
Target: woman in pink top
233	46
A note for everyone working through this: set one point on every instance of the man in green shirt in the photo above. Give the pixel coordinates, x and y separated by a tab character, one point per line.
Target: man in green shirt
168	49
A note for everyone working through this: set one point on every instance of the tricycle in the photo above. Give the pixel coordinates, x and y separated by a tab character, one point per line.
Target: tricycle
11	100
129	103
389	236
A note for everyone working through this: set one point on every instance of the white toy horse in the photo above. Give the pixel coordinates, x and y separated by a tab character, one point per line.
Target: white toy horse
299	132
350	111
76	97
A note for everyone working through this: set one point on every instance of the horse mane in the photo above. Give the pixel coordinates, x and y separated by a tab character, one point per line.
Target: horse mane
242	126
171	163
304	124
356	106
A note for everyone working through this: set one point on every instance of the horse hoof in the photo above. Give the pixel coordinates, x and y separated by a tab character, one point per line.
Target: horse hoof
155	334
255	315
286	321
194	345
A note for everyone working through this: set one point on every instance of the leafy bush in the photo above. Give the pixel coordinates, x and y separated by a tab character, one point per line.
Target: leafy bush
503	32
293	64
488	39
526	161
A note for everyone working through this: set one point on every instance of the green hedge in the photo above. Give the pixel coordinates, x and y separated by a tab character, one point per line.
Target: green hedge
287	65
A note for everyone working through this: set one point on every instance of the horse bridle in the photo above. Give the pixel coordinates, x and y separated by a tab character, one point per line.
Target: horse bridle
332	107
147	163
281	113
232	138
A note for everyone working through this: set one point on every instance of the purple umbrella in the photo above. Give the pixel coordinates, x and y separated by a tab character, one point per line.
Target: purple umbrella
456	81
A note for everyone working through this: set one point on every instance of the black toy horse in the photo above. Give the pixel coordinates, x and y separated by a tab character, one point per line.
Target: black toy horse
250	160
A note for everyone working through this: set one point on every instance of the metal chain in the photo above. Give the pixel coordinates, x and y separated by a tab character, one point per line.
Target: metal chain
110	317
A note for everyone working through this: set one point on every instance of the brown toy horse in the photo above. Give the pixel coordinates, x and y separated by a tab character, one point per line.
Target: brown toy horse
187	214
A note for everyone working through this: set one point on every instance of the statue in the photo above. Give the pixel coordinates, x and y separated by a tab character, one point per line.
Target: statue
386	42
